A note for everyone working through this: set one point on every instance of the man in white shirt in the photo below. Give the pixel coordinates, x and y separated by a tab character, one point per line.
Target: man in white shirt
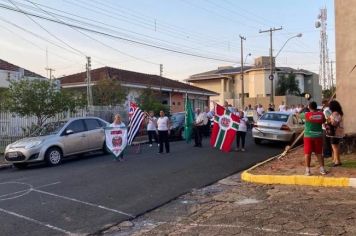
201	119
282	107
260	110
152	128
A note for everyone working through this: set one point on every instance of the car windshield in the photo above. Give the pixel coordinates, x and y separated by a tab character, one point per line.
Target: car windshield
50	128
275	117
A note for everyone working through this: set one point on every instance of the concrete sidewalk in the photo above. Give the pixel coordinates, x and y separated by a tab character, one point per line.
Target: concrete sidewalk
232	207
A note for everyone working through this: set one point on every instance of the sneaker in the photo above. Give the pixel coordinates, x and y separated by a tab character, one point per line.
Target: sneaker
323	171
307	173
237	149
150	145
243	149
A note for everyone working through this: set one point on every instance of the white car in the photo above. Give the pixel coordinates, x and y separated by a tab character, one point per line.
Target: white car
277	126
56	140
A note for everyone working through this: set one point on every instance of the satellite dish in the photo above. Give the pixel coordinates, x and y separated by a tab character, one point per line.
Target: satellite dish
317	24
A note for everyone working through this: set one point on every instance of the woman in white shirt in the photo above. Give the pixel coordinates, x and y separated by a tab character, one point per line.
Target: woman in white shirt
241	132
118	124
163	128
152	128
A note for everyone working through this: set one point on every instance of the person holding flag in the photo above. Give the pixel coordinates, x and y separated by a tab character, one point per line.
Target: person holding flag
117	123
224	130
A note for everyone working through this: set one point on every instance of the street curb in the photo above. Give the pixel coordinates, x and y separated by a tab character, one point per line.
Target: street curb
5	166
321	181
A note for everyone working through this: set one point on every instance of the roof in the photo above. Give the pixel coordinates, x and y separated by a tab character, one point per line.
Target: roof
226	71
4	65
132	78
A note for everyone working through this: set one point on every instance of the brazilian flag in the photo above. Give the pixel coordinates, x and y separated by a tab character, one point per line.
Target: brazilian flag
189	120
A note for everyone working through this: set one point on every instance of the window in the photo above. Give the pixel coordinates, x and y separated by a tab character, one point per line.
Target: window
179	103
173	103
77	126
92	124
275	117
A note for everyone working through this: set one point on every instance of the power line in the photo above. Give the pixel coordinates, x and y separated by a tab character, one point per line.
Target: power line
102	43
117	37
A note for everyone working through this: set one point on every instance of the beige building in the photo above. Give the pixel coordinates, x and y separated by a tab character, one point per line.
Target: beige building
346	60
257	87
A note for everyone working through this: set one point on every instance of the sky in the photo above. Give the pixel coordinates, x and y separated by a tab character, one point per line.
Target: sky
208	29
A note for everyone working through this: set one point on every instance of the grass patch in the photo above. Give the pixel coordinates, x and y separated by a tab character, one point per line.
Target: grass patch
345	163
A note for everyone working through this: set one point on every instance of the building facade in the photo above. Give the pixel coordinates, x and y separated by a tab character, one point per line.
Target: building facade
345	20
172	92
10	71
227	81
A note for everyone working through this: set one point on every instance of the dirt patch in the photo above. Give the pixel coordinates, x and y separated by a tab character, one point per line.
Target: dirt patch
293	164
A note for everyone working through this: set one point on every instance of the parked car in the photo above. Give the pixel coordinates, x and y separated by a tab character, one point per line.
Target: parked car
56	140
177	125
277	126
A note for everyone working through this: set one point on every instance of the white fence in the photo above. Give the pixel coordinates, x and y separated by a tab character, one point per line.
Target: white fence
12	126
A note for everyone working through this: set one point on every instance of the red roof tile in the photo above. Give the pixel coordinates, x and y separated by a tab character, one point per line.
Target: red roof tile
130	77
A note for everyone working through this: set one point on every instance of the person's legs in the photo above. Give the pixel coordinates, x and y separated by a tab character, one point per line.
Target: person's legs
336	151
155	136
307	154
243	138
149	132
318	149
238	140
160	138
166	141
200	135
196	139
326	146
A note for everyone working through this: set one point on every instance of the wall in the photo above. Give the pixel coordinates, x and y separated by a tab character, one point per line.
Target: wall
345	18
177	103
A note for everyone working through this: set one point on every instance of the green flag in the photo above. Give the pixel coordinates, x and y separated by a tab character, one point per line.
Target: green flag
189	120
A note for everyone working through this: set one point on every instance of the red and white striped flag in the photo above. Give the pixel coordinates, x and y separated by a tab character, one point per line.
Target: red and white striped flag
224	129
136	116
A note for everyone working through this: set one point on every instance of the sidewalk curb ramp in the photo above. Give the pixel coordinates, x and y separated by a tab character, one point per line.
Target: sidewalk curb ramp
322	181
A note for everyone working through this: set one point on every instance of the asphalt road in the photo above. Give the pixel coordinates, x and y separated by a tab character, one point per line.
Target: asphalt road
85	195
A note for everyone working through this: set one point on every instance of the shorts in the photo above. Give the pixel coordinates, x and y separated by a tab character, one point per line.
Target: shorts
334	140
313	145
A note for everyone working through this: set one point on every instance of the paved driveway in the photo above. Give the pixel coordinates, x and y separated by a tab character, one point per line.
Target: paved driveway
85	195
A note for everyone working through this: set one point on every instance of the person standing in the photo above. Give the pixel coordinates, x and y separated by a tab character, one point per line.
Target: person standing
282	107
241	132
152	128
326	140
163	129
260	110
117	123
270	107
335	122
207	125
200	120
313	141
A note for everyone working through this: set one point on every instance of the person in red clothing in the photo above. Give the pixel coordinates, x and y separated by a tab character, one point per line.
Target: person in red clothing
313	141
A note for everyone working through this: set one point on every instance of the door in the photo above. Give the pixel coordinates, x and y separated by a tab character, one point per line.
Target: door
75	142
95	134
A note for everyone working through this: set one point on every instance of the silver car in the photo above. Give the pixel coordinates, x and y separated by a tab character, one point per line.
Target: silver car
277	126
56	140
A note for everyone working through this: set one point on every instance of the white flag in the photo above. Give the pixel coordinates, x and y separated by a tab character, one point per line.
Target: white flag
116	139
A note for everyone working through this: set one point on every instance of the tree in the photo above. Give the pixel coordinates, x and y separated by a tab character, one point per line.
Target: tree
327	93
108	92
39	98
2	98
287	85
149	101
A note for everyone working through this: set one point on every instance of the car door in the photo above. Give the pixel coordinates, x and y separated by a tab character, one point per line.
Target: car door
95	134
75	142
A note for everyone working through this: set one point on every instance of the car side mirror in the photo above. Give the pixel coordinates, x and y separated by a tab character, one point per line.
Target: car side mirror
69	132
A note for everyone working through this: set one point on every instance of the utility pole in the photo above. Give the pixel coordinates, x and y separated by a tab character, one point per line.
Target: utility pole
50	70
160	70
89	91
271	76
242	73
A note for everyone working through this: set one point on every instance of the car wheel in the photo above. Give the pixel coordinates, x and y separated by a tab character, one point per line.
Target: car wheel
20	165
258	141
53	156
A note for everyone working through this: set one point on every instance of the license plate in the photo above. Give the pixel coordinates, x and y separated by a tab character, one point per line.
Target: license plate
274	136
13	155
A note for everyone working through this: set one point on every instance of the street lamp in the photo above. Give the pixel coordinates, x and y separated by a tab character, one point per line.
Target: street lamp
271	77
